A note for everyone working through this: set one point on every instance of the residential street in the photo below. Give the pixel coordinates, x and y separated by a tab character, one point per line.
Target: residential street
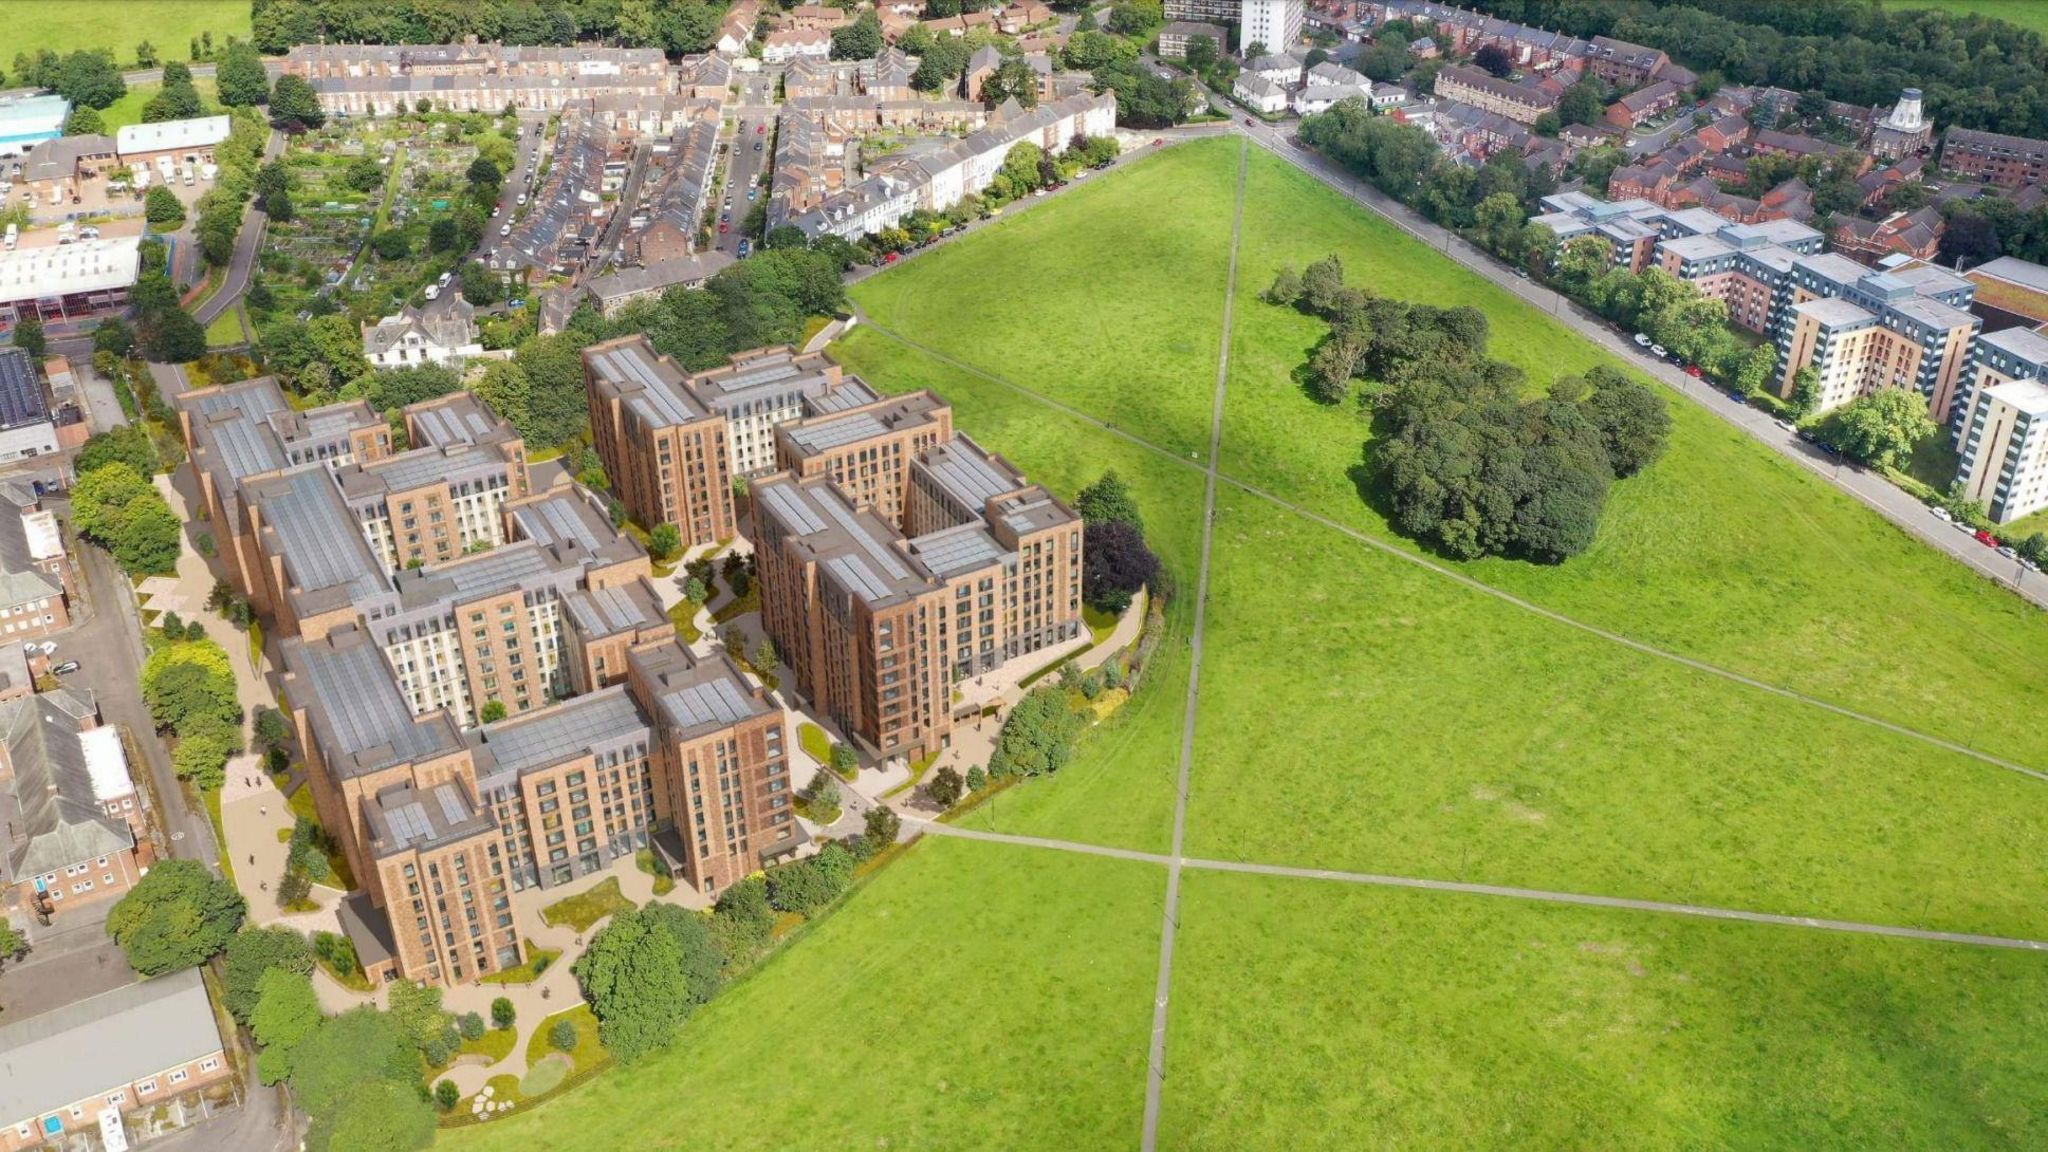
1873	490
248	242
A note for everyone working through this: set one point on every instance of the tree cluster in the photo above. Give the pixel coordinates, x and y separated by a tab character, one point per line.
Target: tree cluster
1975	70
645	972
88	78
1404	162
189	689
176	917
1462	457
115	507
1038	736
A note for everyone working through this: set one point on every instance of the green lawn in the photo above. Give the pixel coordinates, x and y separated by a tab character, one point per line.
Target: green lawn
1723	551
128	109
970	996
170	25
1318	1016
226	329
1360	713
537	961
2029	14
586	908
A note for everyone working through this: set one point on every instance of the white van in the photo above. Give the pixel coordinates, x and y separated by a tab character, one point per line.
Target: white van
445	278
504	229
13	234
433	292
65	233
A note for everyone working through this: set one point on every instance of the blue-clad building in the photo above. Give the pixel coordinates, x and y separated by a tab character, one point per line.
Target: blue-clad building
28	120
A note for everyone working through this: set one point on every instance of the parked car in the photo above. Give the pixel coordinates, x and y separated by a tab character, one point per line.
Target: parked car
1738	397
1941	513
889	259
1657	350
760	129
1692	370
2006	551
1986	539
1250	123
504	229
1642	340
1158	140
757	145
723	228
65	669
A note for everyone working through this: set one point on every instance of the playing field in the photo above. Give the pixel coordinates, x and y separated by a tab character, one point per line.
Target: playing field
972	996
1363	708
119	25
2029	14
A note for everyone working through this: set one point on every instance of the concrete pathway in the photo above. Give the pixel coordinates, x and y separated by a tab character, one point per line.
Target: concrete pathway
1170	917
1503	891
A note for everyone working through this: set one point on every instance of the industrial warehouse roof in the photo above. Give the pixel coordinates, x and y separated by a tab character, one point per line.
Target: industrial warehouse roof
87	266
21	394
171	135
104	1042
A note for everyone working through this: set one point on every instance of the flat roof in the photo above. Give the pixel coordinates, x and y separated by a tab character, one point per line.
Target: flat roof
2029	395
101	265
1834	311
89	1048
169	135
562	731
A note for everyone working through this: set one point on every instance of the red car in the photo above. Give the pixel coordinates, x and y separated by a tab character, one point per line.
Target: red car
760	129
1986	539
724	228
1158	140
1692	370
1250	123
889	259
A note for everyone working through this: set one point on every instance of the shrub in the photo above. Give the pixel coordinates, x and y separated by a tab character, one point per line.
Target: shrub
503	1014
447	1095
562	1036
471	1025
945	787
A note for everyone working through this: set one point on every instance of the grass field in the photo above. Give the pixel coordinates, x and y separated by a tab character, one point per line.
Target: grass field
1318	1016
1723	551
120	25
2029	14
971	996
128	109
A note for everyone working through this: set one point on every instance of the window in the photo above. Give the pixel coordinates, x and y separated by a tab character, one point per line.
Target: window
208	1064
178	1077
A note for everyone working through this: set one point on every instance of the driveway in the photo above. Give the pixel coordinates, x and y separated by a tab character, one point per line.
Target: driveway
1889	501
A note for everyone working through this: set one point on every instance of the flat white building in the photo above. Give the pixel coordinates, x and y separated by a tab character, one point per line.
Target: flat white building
143	142
1274	25
2003	426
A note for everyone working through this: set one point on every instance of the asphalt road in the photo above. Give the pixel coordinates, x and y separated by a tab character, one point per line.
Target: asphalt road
248	243
517	181
1169	921
743	168
1889	501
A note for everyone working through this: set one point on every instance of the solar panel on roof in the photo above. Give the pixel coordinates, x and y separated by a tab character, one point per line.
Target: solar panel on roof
717	702
409	822
857	577
882	557
452	807
781	370
793	509
834	433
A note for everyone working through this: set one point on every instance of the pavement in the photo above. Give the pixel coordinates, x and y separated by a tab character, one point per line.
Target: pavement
1870	488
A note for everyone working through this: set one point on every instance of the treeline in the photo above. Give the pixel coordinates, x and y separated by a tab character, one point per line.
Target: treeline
760	301
276	25
1461	456
1404	162
1976	71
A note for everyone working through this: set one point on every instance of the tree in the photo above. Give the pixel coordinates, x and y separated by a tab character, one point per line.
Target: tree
977	779
1115	565
860	40
632	974
115	508
12	942
664	541
84	121
1201	54
1037	738
1583	103
178	99
90	78
1883	427
703	964
882	826
1753	377
110	335
1805	391
845	762
1013	79
377	1116
146	55
503	1014
1495	59
240	76
284	1013
945	787
1632	419
160	206
417	1014
447	1095
391	244
28	336
175	918
187	683
294	105
271	728
492	712
253	952
1970	239
807	886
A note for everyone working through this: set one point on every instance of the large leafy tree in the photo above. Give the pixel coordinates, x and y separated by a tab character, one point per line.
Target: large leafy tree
286	1011
175	918
187	683
1884	427
860	40
359	1045
376	1116
1109	499
1115	565
241	78
1038	737
90	78
254	952
115	508
633	977
293	104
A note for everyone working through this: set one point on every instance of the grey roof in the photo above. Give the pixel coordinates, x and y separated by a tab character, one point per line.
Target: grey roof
652	387
826	435
521	564
566	730
2015	270
21	394
696	695
320	542
459	418
49	809
658	276
1834	311
711	703
853	392
564	522
966	473
955	550
2020	343
404	817
854	548
613	609
357	709
91	1047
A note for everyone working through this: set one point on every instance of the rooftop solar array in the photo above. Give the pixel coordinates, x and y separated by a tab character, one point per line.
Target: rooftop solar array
778	368
661	402
884	558
956	550
857	578
966	473
498	570
453	809
716	702
793	507
360	700
320	542
244	448
423	466
603	611
556	521
568	729
409	823
452	424
830	434
851	393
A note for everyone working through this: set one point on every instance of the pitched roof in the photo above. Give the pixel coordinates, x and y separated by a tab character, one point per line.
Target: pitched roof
103	1042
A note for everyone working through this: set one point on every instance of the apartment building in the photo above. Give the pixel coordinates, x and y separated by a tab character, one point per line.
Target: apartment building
867	450
1176	36
1993	157
1644	103
70	1075
663	449
879	612
2002	425
446	495
1626	65
763	389
1747	266
1276	24
383	79
37	582
1860	330
1204	11
1629	227
72	822
1520	101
